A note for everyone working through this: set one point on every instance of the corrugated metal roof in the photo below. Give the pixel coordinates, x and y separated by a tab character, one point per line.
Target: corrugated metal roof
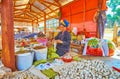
37	8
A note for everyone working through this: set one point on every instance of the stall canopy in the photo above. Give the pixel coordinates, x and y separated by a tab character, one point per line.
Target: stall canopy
34	10
81	14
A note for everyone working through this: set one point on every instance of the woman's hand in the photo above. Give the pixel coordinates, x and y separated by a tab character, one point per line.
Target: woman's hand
58	41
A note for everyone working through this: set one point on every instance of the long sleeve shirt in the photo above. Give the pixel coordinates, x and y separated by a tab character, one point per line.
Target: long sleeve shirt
63	47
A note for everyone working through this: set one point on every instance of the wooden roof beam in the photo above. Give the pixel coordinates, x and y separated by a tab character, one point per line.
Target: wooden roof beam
36	13
32	15
31	1
20	5
18	20
19	9
49	3
48	18
57	1
52	11
45	5
23	17
18	14
27	11
37	8
52	17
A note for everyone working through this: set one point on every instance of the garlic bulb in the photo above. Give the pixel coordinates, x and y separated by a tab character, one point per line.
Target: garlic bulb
87	69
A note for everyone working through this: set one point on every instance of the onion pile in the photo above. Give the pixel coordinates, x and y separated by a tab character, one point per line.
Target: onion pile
20	75
87	69
3	70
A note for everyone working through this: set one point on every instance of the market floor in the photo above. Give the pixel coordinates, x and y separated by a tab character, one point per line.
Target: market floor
110	61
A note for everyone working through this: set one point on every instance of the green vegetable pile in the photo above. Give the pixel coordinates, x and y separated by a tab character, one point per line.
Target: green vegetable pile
39	62
93	42
77	58
111	45
50	73
73	37
52	53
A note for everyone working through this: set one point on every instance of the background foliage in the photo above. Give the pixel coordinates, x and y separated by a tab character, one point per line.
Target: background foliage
114	15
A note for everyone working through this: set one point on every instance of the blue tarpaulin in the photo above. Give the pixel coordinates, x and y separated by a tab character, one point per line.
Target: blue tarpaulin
30	35
21	35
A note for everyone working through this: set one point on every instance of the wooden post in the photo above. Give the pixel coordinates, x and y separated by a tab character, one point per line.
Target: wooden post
8	57
115	34
35	26
99	9
44	23
32	27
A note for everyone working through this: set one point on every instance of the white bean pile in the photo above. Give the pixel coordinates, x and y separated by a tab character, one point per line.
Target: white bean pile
87	69
20	75
4	70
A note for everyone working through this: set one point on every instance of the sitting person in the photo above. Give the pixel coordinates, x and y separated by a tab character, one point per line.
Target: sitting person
63	39
42	39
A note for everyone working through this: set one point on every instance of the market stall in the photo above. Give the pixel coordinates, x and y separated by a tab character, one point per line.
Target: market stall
34	56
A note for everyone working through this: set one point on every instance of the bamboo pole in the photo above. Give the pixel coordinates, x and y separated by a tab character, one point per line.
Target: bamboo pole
115	34
44	23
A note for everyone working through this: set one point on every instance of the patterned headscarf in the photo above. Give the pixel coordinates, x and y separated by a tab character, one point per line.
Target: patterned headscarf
64	22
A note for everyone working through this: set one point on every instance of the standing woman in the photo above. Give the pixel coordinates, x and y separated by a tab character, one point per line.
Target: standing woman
63	38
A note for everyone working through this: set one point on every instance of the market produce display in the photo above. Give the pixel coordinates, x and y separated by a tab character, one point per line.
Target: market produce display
76	42
93	47
99	47
38	47
39	62
50	73
3	70
111	47
76	58
20	75
73	37
22	51
40	34
30	35
93	42
87	69
52	53
67	58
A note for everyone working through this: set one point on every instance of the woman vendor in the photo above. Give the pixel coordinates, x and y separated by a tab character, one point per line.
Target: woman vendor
63	38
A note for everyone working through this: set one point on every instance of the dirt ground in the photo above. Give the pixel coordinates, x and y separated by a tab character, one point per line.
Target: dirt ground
108	34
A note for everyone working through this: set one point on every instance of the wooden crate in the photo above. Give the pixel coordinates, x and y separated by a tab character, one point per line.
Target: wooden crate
78	47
